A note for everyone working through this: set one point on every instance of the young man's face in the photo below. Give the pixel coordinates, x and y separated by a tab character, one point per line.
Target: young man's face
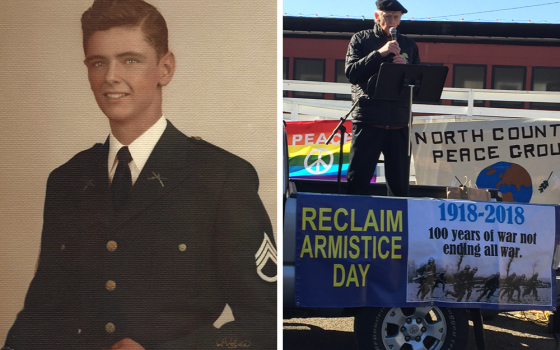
125	75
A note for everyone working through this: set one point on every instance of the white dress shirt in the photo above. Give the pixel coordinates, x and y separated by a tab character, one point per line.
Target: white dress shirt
140	149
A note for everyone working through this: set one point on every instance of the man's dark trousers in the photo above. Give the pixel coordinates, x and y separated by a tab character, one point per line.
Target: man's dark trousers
367	143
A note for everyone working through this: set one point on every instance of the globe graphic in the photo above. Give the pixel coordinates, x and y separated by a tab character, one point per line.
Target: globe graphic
509	178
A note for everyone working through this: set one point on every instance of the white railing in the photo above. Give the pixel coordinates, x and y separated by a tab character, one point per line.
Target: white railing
308	109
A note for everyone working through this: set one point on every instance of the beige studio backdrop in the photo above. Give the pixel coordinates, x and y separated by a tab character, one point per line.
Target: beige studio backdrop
224	90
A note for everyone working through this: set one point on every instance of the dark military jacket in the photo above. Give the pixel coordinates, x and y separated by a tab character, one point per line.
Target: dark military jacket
193	237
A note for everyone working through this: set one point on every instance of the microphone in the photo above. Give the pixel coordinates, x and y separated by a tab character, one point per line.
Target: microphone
393	32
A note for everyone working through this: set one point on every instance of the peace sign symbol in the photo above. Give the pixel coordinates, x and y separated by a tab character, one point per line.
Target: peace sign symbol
319	166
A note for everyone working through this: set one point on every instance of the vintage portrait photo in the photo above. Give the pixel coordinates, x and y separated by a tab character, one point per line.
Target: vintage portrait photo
138	191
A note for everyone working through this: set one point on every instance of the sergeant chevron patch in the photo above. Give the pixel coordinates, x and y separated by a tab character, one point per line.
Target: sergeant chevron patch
265	253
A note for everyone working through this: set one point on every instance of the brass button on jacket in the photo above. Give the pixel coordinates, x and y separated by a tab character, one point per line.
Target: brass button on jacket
110	285
110	327
111	246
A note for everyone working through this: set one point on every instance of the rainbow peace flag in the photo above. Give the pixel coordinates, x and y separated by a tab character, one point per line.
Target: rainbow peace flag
308	155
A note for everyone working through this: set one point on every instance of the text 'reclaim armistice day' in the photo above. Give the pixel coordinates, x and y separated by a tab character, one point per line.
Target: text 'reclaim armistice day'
356	251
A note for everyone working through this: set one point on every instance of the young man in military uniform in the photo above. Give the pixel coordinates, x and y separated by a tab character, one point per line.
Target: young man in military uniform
379	125
151	239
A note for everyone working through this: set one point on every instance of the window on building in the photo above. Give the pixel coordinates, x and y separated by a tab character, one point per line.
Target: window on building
285	66
469	76
545	79
309	69
508	78
340	77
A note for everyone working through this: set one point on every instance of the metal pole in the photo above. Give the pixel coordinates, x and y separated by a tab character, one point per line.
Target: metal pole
341	156
410	122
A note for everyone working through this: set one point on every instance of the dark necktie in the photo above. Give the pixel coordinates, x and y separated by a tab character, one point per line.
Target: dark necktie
122	181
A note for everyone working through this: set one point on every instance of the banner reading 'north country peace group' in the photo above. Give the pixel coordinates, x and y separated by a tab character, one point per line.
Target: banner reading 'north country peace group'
519	157
355	251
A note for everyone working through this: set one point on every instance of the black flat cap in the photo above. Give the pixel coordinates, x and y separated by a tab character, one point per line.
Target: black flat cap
390	5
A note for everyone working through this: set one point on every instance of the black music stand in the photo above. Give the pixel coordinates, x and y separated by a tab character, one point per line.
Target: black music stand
412	82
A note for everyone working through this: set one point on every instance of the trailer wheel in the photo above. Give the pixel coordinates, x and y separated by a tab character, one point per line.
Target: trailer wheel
429	328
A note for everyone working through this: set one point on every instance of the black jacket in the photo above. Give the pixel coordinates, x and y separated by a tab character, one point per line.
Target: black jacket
362	63
162	270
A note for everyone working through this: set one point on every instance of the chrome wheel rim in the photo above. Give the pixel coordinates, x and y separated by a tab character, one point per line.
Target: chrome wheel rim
421	328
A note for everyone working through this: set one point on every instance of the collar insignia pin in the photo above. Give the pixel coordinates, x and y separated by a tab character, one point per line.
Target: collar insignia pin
158	177
89	183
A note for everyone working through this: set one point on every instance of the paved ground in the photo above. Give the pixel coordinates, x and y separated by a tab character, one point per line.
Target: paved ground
505	331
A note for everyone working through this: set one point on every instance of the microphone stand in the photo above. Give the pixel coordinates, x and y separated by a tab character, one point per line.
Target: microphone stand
411	85
342	129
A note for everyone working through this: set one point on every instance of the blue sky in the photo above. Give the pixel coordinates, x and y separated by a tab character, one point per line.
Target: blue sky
535	11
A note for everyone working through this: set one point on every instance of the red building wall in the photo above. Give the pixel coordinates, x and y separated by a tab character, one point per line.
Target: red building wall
446	53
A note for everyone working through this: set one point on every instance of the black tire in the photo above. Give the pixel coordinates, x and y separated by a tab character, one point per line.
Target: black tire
437	328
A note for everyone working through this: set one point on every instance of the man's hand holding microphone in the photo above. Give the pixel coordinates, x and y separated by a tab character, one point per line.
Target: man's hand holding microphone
392	49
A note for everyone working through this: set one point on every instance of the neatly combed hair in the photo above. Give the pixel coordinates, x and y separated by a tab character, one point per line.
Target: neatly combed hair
105	14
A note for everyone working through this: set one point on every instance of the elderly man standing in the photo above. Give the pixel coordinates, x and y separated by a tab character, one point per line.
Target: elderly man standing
379	125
